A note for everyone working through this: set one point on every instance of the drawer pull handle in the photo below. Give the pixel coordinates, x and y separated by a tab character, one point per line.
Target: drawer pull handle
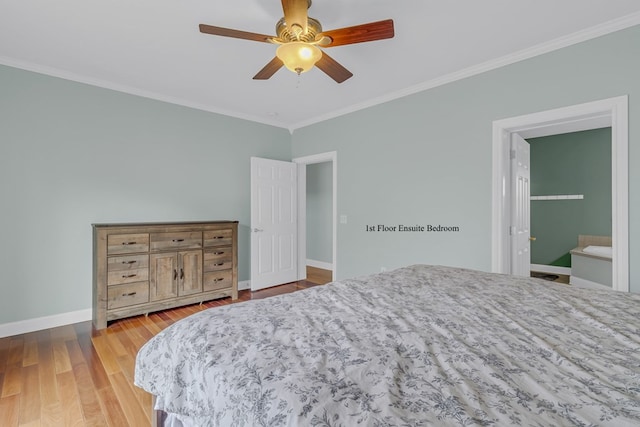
218	253
130	294
219	279
129	262
181	274
219	237
127	276
177	240
129	243
218	264
175	274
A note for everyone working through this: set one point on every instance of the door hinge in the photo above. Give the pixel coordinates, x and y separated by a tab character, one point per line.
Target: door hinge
512	154
512	230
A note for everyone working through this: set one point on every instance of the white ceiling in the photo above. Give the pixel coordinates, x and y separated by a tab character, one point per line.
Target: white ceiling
153	48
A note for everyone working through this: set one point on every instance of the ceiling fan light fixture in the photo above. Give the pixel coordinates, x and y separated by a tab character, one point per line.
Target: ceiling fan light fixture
299	57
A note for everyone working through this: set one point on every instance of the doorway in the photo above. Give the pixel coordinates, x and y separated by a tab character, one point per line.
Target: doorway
612	112
571	196
303	162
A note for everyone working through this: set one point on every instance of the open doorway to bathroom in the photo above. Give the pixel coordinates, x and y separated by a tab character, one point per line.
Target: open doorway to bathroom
570	197
611	112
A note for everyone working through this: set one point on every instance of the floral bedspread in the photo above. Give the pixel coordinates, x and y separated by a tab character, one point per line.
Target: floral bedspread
417	346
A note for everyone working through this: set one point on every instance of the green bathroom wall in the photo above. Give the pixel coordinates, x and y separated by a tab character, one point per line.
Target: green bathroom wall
577	163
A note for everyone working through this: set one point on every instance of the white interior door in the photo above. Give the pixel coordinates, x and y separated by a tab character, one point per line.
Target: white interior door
520	213
274	224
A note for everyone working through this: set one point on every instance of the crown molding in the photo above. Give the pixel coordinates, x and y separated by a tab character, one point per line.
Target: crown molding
104	84
596	31
559	43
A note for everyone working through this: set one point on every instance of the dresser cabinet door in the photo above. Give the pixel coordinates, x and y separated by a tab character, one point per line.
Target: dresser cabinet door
163	276
190	272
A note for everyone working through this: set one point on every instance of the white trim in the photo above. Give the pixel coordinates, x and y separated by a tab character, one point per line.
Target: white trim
548	123
331	156
584	283
550	46
319	264
551	269
244	285
47	322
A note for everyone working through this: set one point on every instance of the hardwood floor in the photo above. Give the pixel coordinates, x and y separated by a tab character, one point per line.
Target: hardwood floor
76	376
319	275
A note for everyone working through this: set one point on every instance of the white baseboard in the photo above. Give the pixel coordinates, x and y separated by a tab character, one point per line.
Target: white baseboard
37	324
244	285
551	269
320	264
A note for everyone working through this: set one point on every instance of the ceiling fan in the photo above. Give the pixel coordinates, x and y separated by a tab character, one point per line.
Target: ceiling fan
299	38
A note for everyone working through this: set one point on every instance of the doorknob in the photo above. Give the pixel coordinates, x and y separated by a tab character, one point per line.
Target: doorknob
533	239
257	230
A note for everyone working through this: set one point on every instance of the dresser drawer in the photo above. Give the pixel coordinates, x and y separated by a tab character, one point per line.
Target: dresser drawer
126	295
218	237
214	280
218	259
176	240
127	269
127	243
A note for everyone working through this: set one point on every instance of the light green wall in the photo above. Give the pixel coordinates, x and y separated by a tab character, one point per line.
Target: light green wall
426	158
73	155
571	163
320	212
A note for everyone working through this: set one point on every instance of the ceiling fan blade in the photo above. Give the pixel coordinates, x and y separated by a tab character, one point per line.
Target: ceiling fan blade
295	13
358	34
333	69
269	70
236	34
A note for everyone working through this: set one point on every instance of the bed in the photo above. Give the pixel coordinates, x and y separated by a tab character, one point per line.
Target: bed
417	346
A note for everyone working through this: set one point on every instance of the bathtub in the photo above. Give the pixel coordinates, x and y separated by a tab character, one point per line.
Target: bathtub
591	265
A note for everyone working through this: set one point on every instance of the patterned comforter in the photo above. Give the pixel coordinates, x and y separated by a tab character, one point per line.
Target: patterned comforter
417	346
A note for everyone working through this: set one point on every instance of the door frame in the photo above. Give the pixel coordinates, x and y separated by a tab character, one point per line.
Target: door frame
302	162
611	112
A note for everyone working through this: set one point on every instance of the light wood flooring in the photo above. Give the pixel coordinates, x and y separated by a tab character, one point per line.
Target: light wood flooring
76	376
318	275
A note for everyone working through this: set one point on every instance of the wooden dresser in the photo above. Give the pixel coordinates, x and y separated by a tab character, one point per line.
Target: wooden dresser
143	267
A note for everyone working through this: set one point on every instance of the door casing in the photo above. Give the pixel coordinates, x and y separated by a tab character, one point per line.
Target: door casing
302	163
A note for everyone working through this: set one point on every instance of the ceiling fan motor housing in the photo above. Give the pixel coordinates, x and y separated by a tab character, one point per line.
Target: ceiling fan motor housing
286	35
